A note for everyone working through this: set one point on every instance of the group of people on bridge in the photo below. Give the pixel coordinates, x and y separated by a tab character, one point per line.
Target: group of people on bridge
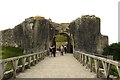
52	49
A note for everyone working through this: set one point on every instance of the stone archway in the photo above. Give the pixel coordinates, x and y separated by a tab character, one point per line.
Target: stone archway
68	43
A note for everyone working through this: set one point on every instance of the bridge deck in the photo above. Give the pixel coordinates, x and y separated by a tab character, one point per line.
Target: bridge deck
58	67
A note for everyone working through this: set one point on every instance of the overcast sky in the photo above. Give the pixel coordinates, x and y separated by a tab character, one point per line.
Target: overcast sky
13	12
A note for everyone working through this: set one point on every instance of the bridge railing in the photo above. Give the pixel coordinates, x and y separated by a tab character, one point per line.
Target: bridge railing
96	64
19	64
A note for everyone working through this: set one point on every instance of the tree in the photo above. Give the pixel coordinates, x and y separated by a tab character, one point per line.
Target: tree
113	49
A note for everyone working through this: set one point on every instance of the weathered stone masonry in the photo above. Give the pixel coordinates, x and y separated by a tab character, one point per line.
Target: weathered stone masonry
33	34
86	34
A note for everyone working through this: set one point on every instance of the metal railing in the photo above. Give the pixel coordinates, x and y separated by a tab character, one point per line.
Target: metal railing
96	64
20	63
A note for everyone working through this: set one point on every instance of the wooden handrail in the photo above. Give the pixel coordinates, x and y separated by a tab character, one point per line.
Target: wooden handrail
28	59
94	61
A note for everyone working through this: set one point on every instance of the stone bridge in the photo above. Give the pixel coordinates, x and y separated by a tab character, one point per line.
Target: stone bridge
35	35
76	65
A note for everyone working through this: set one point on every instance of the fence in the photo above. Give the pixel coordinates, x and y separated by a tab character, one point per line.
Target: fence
97	64
19	64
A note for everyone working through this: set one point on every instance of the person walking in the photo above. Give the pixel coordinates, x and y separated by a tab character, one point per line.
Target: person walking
65	49
62	49
50	48
54	50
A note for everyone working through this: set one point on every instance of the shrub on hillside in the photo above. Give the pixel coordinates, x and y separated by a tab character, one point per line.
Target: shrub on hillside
9	51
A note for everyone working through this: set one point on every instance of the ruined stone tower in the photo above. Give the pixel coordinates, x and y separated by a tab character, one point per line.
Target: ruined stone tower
31	35
86	34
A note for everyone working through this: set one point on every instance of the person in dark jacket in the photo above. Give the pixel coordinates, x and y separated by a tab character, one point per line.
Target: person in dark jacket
50	48
65	49
54	50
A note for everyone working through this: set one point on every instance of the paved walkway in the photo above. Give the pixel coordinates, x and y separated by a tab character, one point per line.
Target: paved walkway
58	67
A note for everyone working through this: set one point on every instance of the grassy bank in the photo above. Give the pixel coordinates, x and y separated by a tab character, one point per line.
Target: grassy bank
8	52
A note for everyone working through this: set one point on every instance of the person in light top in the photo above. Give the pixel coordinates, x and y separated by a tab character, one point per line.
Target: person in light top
62	49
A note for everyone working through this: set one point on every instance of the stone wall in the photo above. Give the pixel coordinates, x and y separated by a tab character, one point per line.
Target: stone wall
35	33
32	35
86	34
103	42
8	37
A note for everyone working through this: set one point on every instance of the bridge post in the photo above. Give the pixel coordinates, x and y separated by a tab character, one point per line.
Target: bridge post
45	54
106	67
34	60
83	59
118	69
79	57
2	69
23	63
29	62
41	56
108	72
37	58
86	61
96	67
90	59
14	63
